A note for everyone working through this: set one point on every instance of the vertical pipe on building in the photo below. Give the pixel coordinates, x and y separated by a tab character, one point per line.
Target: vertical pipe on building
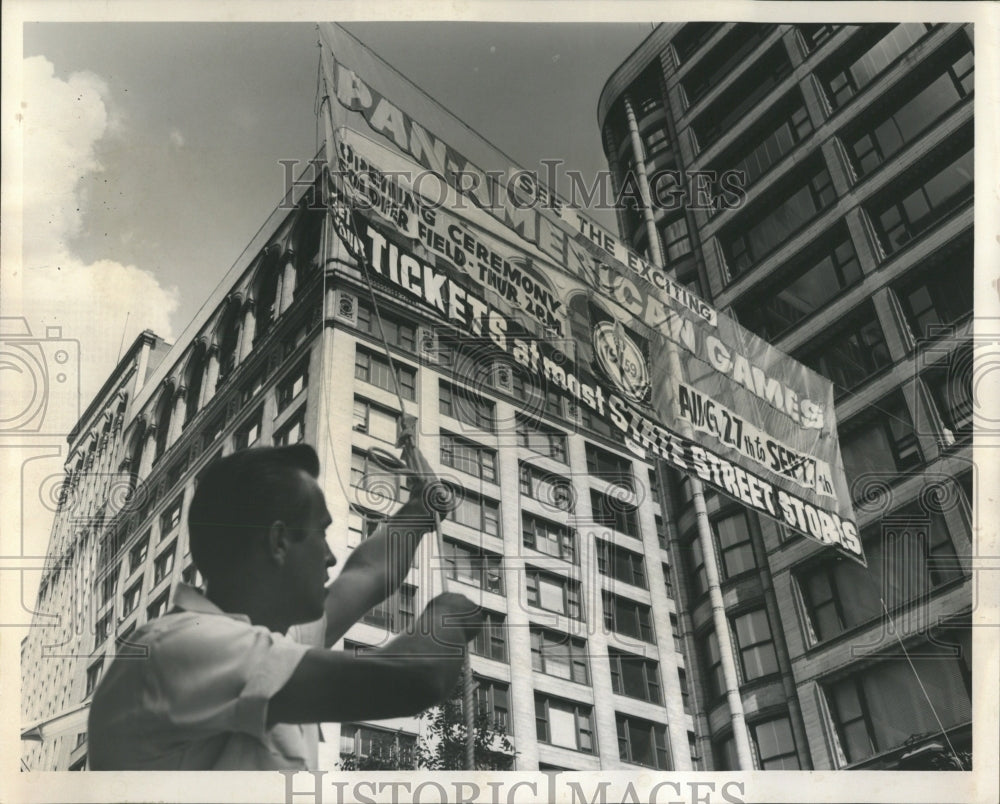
740	735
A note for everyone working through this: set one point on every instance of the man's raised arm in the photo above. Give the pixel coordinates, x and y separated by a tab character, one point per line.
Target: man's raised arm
376	567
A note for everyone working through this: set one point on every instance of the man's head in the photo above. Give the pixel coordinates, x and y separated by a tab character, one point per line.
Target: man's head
260	514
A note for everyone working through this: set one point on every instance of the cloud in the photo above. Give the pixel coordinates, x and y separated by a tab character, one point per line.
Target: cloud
176	138
64	121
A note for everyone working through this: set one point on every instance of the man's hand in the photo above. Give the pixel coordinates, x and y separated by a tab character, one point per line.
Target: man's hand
451	620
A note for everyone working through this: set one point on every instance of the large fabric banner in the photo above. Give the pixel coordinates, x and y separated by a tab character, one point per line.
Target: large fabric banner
567	301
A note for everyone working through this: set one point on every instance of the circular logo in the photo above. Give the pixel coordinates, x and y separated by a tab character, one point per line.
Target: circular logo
621	360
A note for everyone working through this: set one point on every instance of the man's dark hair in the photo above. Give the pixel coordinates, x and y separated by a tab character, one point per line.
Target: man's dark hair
239	496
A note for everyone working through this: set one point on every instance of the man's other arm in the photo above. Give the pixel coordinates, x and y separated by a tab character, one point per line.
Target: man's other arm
413	672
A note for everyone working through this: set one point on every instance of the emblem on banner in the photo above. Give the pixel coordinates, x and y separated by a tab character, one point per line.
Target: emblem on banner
621	360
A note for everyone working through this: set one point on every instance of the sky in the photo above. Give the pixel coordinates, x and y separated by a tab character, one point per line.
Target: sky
152	150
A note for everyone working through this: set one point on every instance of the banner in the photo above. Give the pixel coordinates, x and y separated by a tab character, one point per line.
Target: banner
673	375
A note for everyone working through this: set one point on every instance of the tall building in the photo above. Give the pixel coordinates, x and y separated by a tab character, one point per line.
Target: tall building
845	239
556	533
599	651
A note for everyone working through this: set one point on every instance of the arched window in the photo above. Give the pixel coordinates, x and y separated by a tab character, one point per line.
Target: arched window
134	454
228	339
192	381
163	411
267	293
306	243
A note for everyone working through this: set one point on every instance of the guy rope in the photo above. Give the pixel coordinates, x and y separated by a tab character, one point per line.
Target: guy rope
438	498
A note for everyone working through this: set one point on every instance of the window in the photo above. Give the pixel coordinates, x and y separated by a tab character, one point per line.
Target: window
715	681
130	600
395	613
913	109
732	49
163	564
695	752
466	407
560	655
661	533
634	676
535	394
611	512
491	641
691	37
624	616
840	594
102	630
248	433
376	482
697	575
732	533
137	555
746	92
107	585
397	333
374	369
668	580
755	644
911	210
293	384
473	566
369	746
94	673
553	490
474	511
493	700
815	279
655	141
564	723
538	438
469	457
375	421
642	742
213	429
783	127
361	524
882	443
854	351
621	564
553	593
774	745
866	56
293	431
171	518
682	680
772	220
548	537
159	607
952	393
935	296
816	34
610	467
883	706
675	632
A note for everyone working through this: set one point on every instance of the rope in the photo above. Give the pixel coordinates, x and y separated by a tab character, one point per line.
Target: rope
468	683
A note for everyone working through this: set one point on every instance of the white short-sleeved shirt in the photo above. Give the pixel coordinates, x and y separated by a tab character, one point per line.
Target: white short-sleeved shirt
198	699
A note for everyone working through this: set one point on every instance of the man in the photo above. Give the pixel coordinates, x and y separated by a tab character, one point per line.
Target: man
221	686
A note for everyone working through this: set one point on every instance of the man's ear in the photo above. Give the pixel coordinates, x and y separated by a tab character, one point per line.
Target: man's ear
277	541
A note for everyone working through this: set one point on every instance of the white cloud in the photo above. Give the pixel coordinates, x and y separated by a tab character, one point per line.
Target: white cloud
64	120
176	138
